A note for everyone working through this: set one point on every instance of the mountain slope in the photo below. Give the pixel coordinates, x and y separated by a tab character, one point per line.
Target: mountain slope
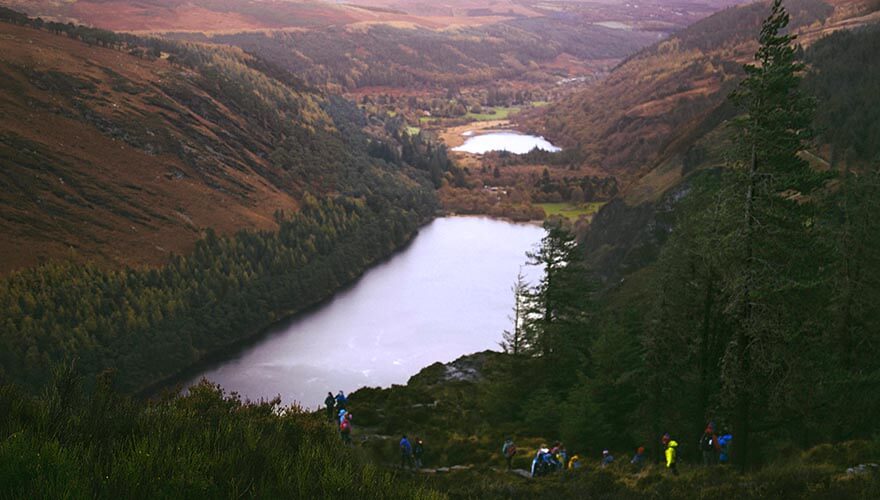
127	158
657	103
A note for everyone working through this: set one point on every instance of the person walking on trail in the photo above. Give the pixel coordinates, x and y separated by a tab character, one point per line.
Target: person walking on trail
709	445
607	458
508	450
638	460
418	452
405	452
341	415
345	429
341	400
724	447
561	454
664	442
671	458
330	403
575	462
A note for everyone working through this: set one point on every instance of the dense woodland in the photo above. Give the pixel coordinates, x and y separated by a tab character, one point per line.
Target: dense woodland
758	313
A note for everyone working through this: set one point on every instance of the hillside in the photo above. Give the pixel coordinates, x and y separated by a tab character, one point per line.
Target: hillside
375	44
660	101
526	50
124	157
689	134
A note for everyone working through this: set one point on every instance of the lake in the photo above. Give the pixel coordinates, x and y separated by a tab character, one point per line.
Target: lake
513	142
446	294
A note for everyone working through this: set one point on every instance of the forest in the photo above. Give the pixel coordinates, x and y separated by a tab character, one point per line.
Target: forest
756	314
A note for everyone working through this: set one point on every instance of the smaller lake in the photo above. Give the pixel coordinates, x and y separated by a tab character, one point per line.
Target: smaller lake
512	142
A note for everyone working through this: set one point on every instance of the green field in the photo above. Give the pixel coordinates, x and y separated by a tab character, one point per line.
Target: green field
501	113
570	211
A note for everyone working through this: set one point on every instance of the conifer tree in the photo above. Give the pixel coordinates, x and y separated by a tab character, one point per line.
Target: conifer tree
767	284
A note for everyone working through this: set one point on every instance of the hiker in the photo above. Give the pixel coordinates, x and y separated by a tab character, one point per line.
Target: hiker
418	451
709	445
330	403
638	460
544	462
561	454
405	452
341	416
341	400
508	450
607	458
345	429
671	458
664	442
575	462
724	446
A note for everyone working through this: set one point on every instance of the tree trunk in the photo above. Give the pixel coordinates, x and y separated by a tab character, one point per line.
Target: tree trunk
744	334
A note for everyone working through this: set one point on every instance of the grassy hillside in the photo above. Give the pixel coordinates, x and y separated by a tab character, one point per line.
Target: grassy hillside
205	445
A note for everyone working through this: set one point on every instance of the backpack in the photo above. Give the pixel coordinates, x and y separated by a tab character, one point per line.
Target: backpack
345	426
707	442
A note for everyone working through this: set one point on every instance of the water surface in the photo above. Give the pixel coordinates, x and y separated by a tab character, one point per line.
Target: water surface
445	295
505	141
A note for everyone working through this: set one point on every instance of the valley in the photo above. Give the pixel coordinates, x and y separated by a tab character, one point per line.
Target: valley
599	226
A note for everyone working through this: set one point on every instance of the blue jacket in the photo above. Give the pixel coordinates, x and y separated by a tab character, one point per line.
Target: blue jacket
405	447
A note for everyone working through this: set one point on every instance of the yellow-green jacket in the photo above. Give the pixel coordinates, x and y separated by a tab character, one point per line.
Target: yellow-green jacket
670	453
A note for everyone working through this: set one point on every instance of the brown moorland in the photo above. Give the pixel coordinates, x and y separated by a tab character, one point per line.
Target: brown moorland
126	160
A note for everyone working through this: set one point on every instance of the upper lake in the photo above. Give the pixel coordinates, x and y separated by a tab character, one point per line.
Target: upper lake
505	141
446	294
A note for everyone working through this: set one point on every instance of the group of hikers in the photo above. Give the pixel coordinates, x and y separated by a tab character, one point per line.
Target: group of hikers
715	450
336	412
411	454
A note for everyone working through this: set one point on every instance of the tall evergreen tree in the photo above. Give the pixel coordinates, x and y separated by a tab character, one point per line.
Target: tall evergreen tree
769	285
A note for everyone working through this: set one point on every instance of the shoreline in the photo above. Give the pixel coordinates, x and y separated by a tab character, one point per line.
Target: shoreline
174	383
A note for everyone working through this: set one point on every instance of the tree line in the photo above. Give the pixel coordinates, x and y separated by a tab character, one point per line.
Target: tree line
148	324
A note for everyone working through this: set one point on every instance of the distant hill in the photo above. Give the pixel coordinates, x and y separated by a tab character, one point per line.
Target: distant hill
660	117
124	154
657	103
411	44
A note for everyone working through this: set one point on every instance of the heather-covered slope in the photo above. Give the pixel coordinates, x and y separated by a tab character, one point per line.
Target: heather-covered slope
125	150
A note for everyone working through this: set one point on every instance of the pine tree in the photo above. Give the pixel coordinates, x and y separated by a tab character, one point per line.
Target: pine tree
517	341
772	274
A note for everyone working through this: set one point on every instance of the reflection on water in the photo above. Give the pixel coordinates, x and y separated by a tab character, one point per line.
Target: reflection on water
445	295
504	141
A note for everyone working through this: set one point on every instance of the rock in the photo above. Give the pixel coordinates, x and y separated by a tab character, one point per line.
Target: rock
864	469
521	472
